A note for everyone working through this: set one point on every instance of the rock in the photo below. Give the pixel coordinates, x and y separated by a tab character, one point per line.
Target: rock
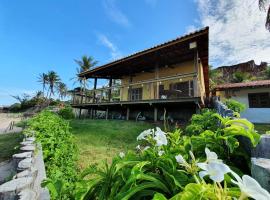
260	170
26	143
28	148
28	172
262	150
17	184
31	139
27	194
27	154
25	164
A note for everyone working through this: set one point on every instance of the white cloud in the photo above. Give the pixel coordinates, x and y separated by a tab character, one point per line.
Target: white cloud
115	13
190	29
237	31
115	53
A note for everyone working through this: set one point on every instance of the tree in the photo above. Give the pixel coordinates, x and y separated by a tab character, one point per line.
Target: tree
53	80
264	5
43	79
85	64
62	90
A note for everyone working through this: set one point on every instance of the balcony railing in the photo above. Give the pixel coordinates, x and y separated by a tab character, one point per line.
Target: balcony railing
173	87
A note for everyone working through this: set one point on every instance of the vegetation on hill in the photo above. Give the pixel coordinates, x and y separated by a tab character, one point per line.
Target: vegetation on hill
218	77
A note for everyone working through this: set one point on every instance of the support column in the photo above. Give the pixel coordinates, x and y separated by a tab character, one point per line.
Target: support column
107	113
128	113
195	79
157	77
95	87
155	114
91	113
80	113
110	90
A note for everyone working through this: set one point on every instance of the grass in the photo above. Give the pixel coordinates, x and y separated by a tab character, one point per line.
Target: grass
8	144
262	128
100	140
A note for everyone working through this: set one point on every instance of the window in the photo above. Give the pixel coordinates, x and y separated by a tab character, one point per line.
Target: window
259	100
135	94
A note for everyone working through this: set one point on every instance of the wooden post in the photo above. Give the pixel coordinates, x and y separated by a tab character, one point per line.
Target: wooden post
107	113
110	90
95	87
73	99
91	113
128	113
155	114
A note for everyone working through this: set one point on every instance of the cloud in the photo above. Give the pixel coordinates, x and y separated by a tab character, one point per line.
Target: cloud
237	31
190	29
114	51
115	13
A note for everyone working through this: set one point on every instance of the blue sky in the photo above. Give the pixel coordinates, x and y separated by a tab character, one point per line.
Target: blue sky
37	36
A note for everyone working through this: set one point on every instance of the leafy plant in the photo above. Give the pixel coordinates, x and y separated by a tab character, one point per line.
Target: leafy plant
164	166
235	106
201	122
66	112
59	151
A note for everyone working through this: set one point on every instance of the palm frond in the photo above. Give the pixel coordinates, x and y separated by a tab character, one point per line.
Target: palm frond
267	23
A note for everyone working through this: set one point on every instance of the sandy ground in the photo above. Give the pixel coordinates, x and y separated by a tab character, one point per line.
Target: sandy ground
5	119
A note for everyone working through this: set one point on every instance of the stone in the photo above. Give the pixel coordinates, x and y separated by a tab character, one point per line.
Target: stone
27	154
27	194
16	185
260	170
26	143
32	139
28	148
25	164
28	172
262	150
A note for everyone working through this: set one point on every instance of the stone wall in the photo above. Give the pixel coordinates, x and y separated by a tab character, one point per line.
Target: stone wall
30	172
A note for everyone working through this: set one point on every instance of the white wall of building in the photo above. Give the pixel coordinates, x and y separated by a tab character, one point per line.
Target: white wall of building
255	115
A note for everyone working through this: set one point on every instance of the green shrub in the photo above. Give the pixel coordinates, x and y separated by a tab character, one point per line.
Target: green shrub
235	105
66	112
201	122
59	150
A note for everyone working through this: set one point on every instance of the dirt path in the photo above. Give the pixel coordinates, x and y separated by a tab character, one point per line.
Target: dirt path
6	119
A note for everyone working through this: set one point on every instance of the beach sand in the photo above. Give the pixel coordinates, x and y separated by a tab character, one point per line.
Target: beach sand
6	119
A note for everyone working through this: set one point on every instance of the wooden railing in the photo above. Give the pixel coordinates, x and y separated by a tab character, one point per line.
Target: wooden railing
172	87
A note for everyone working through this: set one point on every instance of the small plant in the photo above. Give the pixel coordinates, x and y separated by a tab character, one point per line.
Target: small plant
66	112
235	106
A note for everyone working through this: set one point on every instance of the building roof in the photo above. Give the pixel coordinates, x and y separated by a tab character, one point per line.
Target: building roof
165	54
251	84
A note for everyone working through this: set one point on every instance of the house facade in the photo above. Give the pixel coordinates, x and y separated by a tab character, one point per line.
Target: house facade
169	79
255	95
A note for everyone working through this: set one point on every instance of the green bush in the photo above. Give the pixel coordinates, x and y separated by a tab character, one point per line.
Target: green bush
66	112
59	150
201	122
235	105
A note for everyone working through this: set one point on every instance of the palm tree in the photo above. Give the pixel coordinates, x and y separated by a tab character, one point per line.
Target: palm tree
43	79
62	90
264	5
85	64
53	80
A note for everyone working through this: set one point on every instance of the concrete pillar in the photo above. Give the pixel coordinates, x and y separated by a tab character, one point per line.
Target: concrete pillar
155	114
128	113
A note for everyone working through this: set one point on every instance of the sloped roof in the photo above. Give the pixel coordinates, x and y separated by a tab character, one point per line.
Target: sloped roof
251	84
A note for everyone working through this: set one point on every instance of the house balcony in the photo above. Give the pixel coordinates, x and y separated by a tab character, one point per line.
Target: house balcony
178	88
